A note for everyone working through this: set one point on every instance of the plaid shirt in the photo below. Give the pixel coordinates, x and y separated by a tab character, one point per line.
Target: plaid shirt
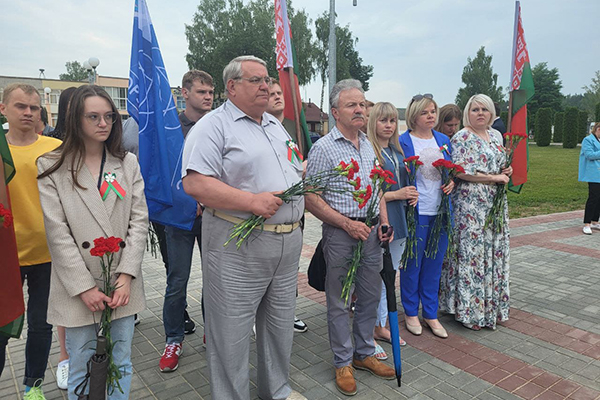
326	154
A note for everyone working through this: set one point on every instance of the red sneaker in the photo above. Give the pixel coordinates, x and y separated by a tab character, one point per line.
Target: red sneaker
170	358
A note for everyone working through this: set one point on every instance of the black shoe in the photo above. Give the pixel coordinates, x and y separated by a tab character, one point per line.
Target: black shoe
136	320
299	325
189	325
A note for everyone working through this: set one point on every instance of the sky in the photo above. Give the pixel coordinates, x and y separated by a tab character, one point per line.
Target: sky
416	46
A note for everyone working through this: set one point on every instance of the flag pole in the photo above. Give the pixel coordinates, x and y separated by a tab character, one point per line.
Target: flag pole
512	69
296	112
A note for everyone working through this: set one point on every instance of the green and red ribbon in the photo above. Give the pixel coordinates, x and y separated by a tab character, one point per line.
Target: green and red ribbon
293	151
444	148
110	183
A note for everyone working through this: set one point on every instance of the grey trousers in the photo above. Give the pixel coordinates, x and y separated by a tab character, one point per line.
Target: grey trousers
255	283
337	248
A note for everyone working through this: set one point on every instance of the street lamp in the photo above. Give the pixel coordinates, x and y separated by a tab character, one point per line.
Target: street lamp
47	92
90	65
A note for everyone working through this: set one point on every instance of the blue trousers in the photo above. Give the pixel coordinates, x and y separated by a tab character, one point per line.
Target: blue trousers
420	282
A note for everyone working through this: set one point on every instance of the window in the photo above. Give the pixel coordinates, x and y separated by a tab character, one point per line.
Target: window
118	95
180	103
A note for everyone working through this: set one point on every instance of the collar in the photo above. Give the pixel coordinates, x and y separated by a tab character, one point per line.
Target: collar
185	120
336	135
238	114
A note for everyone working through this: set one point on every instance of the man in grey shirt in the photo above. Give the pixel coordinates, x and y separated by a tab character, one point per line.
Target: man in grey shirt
234	162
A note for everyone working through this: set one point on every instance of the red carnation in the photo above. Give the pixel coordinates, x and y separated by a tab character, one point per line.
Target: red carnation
411	159
354	164
356	183
350	174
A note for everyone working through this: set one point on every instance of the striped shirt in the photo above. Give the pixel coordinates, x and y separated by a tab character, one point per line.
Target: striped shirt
326	154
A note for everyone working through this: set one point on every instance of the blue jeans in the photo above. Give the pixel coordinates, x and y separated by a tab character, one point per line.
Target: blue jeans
180	248
39	332
81	346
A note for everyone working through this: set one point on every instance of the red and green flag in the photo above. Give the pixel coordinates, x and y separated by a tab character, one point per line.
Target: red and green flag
286	63
521	91
12	306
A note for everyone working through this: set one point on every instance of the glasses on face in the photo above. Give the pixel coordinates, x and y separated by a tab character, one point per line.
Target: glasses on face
257	80
418	97
94	118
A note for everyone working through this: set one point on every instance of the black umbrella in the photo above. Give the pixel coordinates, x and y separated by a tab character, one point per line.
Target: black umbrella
388	274
97	368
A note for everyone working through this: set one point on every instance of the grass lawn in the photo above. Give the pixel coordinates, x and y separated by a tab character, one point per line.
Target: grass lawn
552	186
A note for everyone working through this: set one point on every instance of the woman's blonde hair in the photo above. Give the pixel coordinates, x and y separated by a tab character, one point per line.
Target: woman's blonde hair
416	107
483	100
379	111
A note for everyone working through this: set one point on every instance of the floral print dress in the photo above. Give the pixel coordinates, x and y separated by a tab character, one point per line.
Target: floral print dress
474	283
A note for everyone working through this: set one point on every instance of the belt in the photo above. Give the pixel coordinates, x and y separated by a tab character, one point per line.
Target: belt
374	221
276	228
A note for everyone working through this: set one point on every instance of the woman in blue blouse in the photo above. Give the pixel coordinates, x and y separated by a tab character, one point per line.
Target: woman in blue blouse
420	282
589	171
382	131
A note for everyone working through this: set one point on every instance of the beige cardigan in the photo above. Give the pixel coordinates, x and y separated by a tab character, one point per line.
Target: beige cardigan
73	218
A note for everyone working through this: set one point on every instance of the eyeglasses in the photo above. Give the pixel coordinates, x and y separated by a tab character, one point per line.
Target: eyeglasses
418	97
256	80
109	118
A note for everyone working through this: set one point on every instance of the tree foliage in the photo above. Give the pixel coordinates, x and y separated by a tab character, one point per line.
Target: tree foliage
224	29
572	100
597	113
543	127
570	127
547	89
75	72
504	118
559	124
349	64
591	96
582	127
479	77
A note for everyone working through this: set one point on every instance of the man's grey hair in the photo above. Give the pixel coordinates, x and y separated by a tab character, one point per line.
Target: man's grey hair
346	84
233	70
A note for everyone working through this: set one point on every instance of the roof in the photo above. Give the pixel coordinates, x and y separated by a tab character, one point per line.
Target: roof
314	113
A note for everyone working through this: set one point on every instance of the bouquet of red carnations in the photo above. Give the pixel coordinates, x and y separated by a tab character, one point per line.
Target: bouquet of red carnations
105	248
496	218
411	164
380	180
6	218
443	219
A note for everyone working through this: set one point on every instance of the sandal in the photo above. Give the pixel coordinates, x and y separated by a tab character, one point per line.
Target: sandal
380	353
472	327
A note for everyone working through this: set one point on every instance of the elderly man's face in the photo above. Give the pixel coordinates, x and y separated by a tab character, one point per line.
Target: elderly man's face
350	113
250	95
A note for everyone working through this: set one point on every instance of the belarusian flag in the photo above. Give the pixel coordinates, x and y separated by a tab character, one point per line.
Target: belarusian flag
521	88
12	306
286	63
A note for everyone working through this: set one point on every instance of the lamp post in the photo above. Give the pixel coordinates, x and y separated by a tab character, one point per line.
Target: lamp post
90	65
47	92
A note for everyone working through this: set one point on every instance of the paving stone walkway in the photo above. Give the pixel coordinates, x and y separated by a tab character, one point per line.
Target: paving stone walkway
548	349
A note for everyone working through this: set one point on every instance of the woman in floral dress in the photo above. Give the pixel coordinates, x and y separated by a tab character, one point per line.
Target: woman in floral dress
474	284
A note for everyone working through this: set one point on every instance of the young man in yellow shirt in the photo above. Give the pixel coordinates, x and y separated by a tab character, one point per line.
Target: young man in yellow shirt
21	107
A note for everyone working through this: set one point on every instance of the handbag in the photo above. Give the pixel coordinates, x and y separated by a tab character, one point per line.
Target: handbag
317	269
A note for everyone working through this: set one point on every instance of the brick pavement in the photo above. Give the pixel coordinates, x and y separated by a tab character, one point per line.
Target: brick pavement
548	349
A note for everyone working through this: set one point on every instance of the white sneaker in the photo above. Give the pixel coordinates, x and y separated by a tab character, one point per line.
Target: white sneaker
62	374
587	230
595	226
295	396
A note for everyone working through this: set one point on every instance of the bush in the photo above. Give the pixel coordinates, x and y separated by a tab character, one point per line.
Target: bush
504	117
543	127
583	126
571	124
559	124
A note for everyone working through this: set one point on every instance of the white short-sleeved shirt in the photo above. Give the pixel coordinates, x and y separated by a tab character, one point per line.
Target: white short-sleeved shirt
429	179
228	145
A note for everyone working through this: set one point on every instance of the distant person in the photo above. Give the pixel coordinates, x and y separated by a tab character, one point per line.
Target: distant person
498	123
42	126
589	171
63	105
75	214
21	107
474	285
449	120
275	108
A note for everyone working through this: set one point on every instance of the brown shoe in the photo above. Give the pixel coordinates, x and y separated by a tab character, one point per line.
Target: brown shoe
375	367
344	380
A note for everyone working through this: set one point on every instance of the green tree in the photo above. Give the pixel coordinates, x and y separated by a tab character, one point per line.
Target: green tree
543	126
547	90
479	77
597	113
591	96
559	124
570	127
75	72
504	118
349	64
224	29
582	127
572	100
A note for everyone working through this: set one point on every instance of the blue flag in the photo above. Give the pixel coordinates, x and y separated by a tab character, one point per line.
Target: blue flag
150	103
